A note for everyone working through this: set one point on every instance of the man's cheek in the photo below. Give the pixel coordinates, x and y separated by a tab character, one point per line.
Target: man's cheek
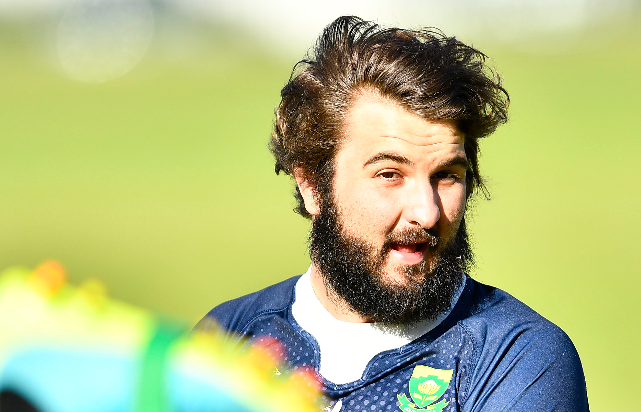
453	217
366	222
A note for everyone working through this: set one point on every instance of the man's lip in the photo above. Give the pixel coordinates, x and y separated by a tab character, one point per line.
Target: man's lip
410	247
409	254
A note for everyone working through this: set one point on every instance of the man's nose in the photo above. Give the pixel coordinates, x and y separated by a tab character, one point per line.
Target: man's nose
422	206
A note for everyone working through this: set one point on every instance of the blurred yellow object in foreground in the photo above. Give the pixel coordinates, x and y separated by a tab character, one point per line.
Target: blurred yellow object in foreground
71	349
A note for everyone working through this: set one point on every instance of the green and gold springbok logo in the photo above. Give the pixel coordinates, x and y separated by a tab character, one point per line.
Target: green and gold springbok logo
426	386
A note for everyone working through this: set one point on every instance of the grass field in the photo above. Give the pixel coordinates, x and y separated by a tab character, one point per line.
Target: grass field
159	183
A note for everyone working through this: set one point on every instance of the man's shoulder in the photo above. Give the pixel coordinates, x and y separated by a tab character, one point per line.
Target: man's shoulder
514	346
494	316
235	314
497	311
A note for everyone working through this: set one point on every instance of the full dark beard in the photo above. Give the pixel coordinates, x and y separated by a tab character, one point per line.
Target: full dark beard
354	270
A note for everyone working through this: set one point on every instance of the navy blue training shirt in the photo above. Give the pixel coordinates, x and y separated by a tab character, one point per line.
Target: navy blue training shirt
492	353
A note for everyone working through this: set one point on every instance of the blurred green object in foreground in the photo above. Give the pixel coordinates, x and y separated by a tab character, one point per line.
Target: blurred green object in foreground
68	349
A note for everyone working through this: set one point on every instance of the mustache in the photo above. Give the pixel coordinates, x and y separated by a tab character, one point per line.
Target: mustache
412	235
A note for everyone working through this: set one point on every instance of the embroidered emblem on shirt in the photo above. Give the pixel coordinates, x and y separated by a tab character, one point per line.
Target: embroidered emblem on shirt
426	386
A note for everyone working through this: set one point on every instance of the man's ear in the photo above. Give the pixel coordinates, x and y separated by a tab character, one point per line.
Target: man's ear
307	191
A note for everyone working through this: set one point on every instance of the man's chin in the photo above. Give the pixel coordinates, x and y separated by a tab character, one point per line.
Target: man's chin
394	281
403	276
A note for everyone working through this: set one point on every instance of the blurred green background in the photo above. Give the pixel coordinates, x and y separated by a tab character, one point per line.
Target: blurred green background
158	181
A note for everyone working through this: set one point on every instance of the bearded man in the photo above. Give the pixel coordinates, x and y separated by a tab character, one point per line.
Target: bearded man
379	129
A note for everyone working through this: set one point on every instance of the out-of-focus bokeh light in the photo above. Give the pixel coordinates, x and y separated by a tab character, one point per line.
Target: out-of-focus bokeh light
99	40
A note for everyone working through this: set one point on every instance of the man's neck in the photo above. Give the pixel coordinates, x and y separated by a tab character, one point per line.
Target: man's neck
331	301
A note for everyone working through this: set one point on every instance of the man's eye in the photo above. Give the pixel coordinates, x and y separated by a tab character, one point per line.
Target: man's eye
389	175
446	175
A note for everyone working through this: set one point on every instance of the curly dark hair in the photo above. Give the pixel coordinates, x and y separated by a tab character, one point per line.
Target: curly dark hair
431	75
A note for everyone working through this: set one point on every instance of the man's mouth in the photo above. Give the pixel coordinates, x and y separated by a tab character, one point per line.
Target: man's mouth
410	253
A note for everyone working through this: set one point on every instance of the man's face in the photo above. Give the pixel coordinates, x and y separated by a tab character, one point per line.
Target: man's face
394	211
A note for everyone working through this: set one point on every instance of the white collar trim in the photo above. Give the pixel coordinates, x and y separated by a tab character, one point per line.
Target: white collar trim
345	347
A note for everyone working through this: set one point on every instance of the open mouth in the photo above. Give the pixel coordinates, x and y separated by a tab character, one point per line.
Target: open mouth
411	253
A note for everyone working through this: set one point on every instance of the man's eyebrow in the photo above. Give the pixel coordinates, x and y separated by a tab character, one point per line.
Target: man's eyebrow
460	160
388	156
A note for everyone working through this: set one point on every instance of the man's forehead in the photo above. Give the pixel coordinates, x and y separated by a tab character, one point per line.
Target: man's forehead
372	116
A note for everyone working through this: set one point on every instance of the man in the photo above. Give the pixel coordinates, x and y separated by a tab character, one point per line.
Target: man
380	131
